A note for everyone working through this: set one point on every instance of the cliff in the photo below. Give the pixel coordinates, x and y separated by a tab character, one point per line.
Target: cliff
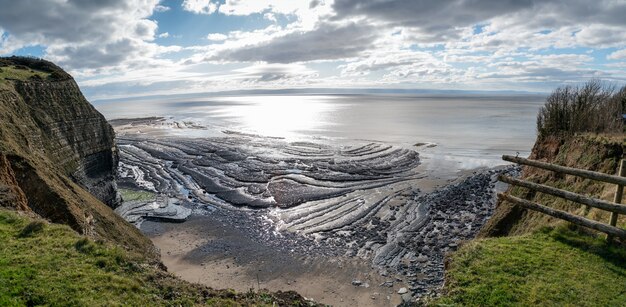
600	153
57	153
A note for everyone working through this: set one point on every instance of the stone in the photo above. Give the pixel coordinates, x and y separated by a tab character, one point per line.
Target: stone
403	290
406	297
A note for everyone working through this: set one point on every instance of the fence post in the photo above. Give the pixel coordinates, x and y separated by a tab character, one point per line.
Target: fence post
618	196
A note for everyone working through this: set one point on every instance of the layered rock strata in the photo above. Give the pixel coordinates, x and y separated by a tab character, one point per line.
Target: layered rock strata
57	153
359	200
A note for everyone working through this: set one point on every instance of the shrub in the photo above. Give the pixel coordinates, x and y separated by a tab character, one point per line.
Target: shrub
31	229
592	107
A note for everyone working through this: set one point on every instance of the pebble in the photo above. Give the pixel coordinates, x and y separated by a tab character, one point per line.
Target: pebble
403	290
406	297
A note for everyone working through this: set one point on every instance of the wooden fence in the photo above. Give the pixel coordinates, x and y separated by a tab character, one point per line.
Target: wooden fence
614	207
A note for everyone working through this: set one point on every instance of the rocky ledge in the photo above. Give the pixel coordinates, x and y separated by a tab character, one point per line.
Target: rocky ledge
163	208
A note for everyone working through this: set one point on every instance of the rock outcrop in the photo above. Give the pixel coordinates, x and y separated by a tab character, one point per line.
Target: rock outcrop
57	153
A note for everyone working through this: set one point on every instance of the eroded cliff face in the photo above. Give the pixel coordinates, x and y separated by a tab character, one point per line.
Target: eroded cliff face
596	153
74	135
57	154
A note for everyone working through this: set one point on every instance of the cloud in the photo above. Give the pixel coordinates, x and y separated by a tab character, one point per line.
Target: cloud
436	20
200	6
327	42
617	55
348	42
243	8
114	31
161	8
216	37
386	61
274	73
445	21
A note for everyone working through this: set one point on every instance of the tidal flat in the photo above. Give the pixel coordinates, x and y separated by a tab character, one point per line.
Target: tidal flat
362	222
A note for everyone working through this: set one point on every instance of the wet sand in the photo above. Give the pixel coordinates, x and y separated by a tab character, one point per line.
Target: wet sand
206	251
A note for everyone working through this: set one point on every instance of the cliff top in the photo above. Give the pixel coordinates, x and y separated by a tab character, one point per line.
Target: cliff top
27	68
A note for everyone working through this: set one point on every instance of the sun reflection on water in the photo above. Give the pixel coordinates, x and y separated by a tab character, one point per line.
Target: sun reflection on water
284	116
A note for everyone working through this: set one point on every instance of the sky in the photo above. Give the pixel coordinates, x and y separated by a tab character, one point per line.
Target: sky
124	48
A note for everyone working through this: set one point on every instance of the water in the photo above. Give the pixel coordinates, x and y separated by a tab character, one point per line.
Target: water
473	130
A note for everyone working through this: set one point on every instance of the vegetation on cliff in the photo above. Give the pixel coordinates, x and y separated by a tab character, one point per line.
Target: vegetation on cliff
594	107
23	68
50	264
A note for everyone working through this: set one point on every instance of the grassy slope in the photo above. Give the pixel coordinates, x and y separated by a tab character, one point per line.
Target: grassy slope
549	267
20	74
51	264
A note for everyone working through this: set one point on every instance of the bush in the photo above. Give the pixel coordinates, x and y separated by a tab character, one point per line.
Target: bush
31	229
592	107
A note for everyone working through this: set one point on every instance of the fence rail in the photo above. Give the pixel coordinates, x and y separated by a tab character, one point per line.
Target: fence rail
589	201
573	218
568	170
614	207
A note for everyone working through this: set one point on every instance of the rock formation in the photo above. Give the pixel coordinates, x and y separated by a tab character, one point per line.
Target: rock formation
57	153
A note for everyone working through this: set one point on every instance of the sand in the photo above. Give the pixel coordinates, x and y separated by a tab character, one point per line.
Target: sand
194	251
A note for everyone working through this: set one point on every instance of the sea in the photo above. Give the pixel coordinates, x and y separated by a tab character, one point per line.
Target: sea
470	130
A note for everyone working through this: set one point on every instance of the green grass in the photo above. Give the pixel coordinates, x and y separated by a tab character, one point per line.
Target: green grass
11	72
135	195
49	264
554	267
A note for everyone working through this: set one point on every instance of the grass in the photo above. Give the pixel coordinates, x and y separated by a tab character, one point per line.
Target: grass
12	72
137	195
50	264
553	266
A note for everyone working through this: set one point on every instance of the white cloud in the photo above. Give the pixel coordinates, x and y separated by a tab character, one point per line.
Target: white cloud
356	42
82	34
242	7
161	8
280	74
200	6
617	55
216	37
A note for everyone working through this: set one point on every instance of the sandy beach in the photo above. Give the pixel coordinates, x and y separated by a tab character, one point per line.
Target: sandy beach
205	251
